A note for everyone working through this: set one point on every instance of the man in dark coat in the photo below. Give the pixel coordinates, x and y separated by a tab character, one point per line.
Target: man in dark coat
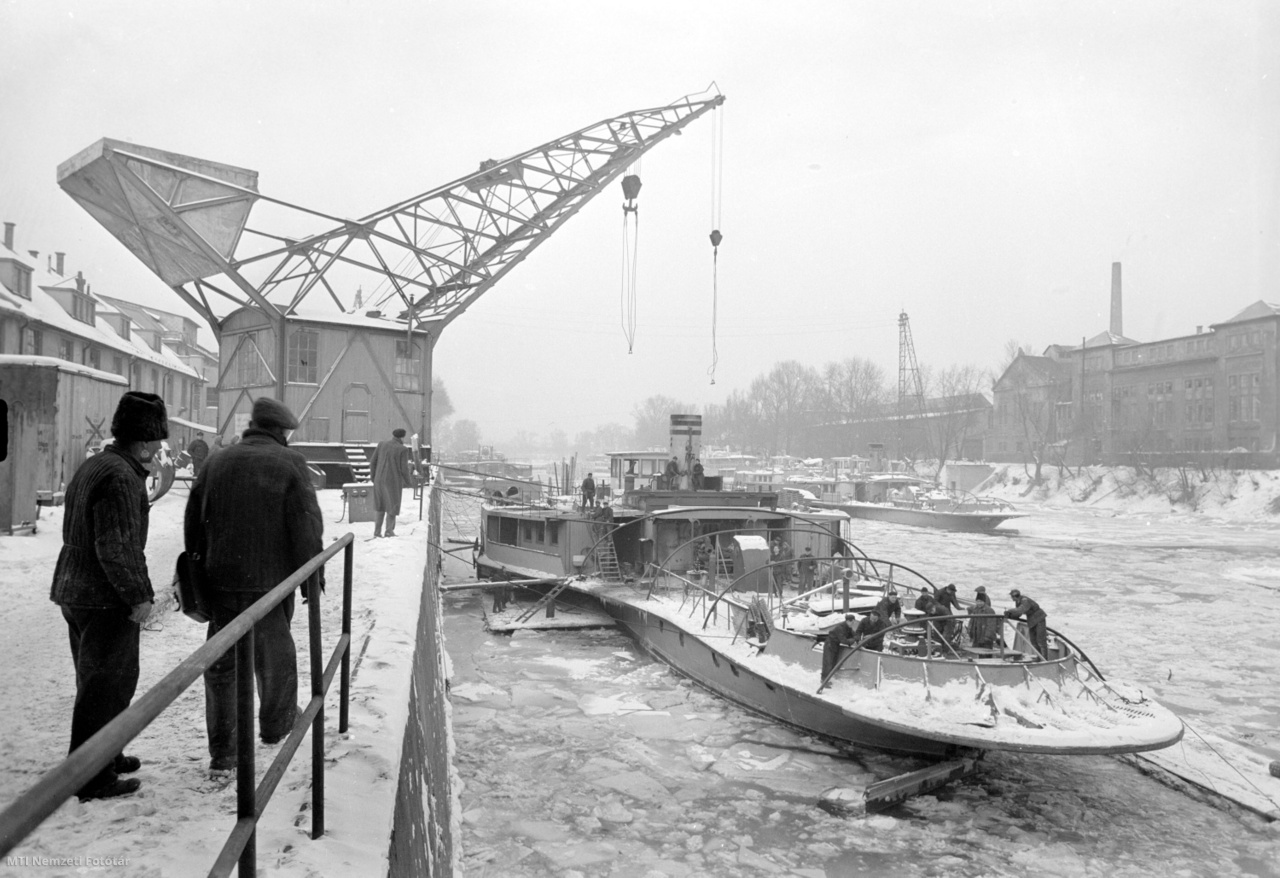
870	631
199	451
254	518
807	566
890	607
672	473
840	635
101	580
946	596
392	473
1037	620
588	491
984	628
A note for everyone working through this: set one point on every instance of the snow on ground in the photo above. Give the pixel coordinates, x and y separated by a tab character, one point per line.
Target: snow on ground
178	822
1224	494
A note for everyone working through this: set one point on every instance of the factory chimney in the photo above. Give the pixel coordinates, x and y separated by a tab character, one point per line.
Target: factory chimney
1117	306
8	235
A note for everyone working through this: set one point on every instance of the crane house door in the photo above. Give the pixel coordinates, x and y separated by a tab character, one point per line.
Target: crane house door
355	413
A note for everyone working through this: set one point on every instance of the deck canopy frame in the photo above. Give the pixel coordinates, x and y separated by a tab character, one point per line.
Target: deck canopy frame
187	220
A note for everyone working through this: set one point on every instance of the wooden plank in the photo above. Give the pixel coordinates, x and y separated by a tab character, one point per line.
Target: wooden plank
896	790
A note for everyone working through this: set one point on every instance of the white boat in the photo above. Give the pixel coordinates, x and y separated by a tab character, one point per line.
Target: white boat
902	499
690	576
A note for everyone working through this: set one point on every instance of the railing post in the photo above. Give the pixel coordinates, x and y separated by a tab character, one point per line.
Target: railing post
246	776
317	692
344	685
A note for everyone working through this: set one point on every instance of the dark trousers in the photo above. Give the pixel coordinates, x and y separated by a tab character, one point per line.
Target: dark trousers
275	664
104	650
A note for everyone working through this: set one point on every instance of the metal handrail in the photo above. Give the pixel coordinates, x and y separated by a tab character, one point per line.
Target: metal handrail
31	809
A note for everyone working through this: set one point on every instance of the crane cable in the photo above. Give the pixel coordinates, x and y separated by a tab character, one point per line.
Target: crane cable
717	190
630	254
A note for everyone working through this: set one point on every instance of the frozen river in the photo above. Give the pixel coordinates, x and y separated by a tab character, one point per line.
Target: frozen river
581	755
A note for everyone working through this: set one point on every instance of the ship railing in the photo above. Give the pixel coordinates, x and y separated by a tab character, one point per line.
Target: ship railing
932	631
60	783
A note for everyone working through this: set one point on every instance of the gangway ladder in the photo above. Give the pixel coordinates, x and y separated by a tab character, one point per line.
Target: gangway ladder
548	600
607	560
360	471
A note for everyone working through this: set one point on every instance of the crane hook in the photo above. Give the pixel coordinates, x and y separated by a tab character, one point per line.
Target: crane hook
630	189
716	238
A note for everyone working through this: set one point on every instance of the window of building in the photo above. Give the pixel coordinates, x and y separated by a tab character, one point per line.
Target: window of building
303	362
1243	394
32	342
66	350
83	309
553	533
251	368
22	281
94	357
408	366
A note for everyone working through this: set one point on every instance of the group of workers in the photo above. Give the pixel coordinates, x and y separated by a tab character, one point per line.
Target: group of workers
984	628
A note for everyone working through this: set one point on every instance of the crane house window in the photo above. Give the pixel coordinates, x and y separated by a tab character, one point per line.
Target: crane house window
408	373
32	342
303	344
251	370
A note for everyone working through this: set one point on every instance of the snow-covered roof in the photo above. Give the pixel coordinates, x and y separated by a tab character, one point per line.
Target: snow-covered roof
62	366
45	309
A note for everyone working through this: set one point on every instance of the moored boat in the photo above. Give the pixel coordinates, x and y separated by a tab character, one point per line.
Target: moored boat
902	499
703	580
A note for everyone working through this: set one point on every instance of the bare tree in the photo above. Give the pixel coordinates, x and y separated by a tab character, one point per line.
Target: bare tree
653	419
958	409
784	397
856	391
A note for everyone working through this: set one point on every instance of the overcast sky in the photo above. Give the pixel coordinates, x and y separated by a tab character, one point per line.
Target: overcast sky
978	165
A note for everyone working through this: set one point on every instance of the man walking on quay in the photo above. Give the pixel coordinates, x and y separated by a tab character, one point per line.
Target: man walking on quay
391	473
101	579
199	451
253	518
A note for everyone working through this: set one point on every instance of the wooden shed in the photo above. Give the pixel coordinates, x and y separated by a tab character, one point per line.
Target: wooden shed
348	378
51	413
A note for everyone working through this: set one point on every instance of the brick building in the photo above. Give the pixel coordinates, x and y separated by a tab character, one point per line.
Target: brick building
1209	397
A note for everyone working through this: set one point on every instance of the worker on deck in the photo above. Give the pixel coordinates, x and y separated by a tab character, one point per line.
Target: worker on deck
1037	620
890	607
870	631
807	566
947	598
984	632
588	491
697	475
672	473
840	635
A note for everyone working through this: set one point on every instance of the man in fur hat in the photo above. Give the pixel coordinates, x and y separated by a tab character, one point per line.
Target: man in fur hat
391	473
253	517
101	580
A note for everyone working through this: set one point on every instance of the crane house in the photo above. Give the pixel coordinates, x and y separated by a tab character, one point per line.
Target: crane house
350	379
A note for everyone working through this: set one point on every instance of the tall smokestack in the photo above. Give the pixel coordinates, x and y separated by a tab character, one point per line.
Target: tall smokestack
1117	305
59	262
8	235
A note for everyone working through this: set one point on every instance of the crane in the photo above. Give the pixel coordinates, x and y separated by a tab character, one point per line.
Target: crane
910	386
187	219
